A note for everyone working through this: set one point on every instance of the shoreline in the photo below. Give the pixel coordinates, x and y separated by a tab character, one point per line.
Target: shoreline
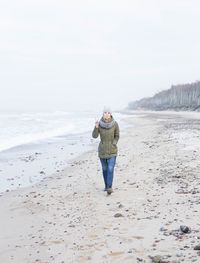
42	159
39	160
68	217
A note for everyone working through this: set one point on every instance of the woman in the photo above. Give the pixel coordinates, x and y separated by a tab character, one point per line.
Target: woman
108	129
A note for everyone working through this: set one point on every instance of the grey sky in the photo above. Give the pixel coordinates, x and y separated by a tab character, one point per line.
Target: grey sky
86	54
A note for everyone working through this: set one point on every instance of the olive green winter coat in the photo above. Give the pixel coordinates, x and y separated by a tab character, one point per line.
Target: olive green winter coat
108	140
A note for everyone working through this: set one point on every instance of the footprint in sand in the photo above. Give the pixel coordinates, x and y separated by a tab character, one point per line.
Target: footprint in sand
116	254
138	237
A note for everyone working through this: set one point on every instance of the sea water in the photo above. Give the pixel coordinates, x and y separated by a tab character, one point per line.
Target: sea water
35	145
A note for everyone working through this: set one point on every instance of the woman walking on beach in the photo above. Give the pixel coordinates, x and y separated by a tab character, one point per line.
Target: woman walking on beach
108	129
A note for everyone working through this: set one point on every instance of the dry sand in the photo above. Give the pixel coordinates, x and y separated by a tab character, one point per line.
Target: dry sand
69	218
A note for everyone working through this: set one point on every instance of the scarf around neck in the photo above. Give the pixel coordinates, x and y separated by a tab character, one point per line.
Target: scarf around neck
106	125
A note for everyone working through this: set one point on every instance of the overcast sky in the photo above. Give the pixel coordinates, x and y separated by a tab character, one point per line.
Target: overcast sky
77	55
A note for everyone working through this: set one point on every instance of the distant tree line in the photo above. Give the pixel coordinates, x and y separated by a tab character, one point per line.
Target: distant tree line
178	97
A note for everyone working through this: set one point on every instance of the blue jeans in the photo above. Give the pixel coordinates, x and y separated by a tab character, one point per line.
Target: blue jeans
108	165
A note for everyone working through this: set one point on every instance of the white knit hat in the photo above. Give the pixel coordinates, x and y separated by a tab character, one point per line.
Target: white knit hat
107	109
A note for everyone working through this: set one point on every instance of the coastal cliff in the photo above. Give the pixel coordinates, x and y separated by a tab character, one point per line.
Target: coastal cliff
178	97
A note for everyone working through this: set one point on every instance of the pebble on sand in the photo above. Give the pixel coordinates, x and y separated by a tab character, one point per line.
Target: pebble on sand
118	215
185	229
197	247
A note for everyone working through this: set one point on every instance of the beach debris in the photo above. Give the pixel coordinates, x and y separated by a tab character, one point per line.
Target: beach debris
159	259
118	215
139	259
28	158
162	229
71	225
178	233
156	259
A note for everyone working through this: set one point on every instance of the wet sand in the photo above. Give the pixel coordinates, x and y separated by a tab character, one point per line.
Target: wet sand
69	218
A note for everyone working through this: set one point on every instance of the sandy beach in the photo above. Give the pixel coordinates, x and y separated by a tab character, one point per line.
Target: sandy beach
68	218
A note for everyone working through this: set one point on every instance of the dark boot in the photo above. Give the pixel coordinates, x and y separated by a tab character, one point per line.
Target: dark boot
109	191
